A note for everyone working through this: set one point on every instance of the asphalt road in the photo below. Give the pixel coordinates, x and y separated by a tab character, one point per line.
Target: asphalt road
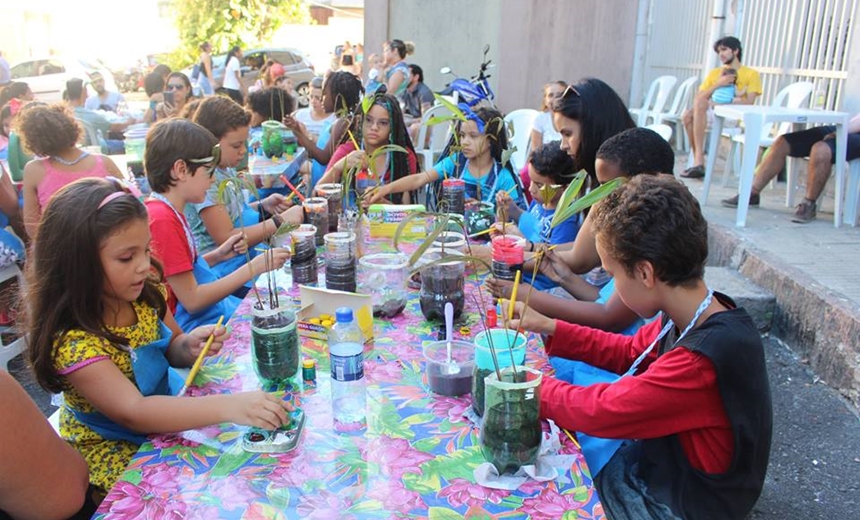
814	468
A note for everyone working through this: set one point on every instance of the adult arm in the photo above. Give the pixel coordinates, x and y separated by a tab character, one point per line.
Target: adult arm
43	477
395	81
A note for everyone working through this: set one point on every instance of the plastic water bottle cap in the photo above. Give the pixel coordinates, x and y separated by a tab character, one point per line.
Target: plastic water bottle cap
343	315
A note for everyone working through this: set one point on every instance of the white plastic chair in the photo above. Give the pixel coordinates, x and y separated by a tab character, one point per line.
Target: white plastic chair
522	120
438	136
852	194
665	131
795	95
655	100
680	103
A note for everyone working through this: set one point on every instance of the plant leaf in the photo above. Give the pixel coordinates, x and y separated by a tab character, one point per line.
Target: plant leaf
435	120
586	201
507	153
367	102
458	114
569	196
447	259
381	150
433	235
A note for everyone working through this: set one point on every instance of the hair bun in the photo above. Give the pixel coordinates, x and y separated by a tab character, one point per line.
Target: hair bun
410	47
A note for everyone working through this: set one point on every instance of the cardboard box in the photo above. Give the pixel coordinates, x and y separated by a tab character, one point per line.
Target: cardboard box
385	218
316	301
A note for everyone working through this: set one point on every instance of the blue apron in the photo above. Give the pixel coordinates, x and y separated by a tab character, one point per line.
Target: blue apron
226	307
153	375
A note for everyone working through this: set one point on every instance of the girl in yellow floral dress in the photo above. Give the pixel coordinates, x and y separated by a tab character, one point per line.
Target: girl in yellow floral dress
101	333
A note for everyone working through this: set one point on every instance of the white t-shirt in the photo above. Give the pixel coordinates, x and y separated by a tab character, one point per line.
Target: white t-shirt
303	115
230	79
113	99
543	124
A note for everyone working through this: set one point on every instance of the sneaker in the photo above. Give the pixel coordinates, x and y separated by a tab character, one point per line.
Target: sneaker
696	172
804	213
755	198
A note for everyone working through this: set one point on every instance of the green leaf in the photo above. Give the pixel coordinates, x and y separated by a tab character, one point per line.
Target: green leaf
458	114
586	201
231	461
569	196
435	120
507	153
432	236
443	513
367	102
382	150
367	506
459	464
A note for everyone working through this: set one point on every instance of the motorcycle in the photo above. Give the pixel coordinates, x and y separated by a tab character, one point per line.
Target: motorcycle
472	91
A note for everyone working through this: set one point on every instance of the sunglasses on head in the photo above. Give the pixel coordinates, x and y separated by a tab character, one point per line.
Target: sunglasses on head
570	89
172	87
211	162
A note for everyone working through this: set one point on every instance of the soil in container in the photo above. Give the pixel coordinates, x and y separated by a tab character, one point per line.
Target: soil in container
442	383
440	285
274	346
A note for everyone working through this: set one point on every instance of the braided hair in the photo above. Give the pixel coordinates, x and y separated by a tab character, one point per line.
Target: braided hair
346	89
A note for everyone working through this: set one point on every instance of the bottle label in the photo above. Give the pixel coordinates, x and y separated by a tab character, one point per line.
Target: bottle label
347	368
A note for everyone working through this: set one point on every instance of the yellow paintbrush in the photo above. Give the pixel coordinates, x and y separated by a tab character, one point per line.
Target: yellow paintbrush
514	295
196	367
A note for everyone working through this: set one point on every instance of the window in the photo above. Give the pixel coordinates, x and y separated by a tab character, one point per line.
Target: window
51	67
26	69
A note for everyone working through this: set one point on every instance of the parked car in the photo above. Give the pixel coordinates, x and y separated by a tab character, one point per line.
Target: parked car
47	76
297	67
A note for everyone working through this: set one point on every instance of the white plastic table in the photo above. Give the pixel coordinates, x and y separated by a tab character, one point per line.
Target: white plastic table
754	117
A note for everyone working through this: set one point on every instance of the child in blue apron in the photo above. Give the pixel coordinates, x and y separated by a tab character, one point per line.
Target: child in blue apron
180	161
100	332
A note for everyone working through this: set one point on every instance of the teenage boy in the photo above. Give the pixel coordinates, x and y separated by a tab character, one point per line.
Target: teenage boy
696	119
697	409
180	161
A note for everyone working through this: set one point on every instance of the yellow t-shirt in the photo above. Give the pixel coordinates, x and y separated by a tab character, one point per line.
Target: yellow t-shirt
748	81
106	459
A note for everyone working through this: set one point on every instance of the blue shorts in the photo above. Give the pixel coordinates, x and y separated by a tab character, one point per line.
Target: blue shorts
800	143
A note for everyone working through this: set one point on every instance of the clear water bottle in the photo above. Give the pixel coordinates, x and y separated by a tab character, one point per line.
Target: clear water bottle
345	343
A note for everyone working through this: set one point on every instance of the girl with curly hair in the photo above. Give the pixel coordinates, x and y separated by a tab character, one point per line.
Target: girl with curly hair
51	133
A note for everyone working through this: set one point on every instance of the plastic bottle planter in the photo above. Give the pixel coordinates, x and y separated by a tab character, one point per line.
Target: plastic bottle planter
453	196
303	263
451	241
351	221
383	276
333	193
450	376
441	284
508	256
273	143
275	344
479	216
511	431
500	340
340	261
316	214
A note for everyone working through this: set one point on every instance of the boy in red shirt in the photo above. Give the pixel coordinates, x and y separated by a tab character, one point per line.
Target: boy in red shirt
180	160
697	407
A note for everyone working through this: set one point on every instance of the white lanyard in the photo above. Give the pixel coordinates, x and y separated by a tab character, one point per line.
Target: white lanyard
704	305
185	227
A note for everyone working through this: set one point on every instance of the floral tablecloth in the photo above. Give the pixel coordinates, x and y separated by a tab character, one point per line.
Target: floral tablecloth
415	459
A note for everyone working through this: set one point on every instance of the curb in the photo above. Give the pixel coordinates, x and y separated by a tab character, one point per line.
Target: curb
821	326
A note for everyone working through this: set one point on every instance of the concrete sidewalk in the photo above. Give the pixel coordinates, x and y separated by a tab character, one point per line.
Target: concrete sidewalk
811	269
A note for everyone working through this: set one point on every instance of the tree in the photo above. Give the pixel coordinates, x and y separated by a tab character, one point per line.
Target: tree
225	23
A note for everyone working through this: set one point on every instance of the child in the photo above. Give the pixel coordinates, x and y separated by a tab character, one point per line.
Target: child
210	222
727	93
51	133
551	170
180	161
101	332
314	117
381	125
482	138
269	104
697	409
628	154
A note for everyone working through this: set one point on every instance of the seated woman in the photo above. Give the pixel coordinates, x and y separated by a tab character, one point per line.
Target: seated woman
51	132
209	220
481	140
380	126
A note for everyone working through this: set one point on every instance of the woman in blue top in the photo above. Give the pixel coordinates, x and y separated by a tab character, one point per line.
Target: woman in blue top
397	73
482	138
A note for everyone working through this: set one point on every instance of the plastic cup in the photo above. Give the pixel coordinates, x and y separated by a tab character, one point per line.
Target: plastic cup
452	378
501	338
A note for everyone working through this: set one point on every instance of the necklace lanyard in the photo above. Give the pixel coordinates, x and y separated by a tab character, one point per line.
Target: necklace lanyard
185	227
493	174
702	306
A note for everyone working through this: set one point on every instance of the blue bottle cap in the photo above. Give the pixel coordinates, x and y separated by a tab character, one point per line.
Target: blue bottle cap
343	315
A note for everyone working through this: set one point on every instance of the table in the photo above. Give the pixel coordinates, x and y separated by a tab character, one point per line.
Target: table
288	167
754	117
415	459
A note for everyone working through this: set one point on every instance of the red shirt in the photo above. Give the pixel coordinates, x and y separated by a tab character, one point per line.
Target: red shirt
169	243
675	394
345	149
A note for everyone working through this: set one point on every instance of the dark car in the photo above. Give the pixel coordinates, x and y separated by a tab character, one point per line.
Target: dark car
297	67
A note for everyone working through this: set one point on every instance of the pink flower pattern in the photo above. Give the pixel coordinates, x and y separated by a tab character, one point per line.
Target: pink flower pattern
395	468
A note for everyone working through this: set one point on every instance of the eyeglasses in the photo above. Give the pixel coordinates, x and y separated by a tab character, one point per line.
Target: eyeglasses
211	162
568	90
172	87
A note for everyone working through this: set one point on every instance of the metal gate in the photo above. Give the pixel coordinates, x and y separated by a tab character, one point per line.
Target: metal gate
799	40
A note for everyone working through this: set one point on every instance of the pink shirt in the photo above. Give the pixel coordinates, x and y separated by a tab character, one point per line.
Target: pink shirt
55	179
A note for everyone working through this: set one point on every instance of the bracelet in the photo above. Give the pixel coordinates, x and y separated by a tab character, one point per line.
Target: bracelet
531	247
278	222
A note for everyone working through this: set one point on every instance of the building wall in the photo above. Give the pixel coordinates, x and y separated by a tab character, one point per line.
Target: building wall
531	42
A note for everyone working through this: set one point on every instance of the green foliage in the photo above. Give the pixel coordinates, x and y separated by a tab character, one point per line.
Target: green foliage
230	194
571	203
225	23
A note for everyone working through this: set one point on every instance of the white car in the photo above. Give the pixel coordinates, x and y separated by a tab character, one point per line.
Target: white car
47	76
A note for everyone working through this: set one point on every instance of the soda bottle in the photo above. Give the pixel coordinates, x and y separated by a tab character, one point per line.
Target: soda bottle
345	343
